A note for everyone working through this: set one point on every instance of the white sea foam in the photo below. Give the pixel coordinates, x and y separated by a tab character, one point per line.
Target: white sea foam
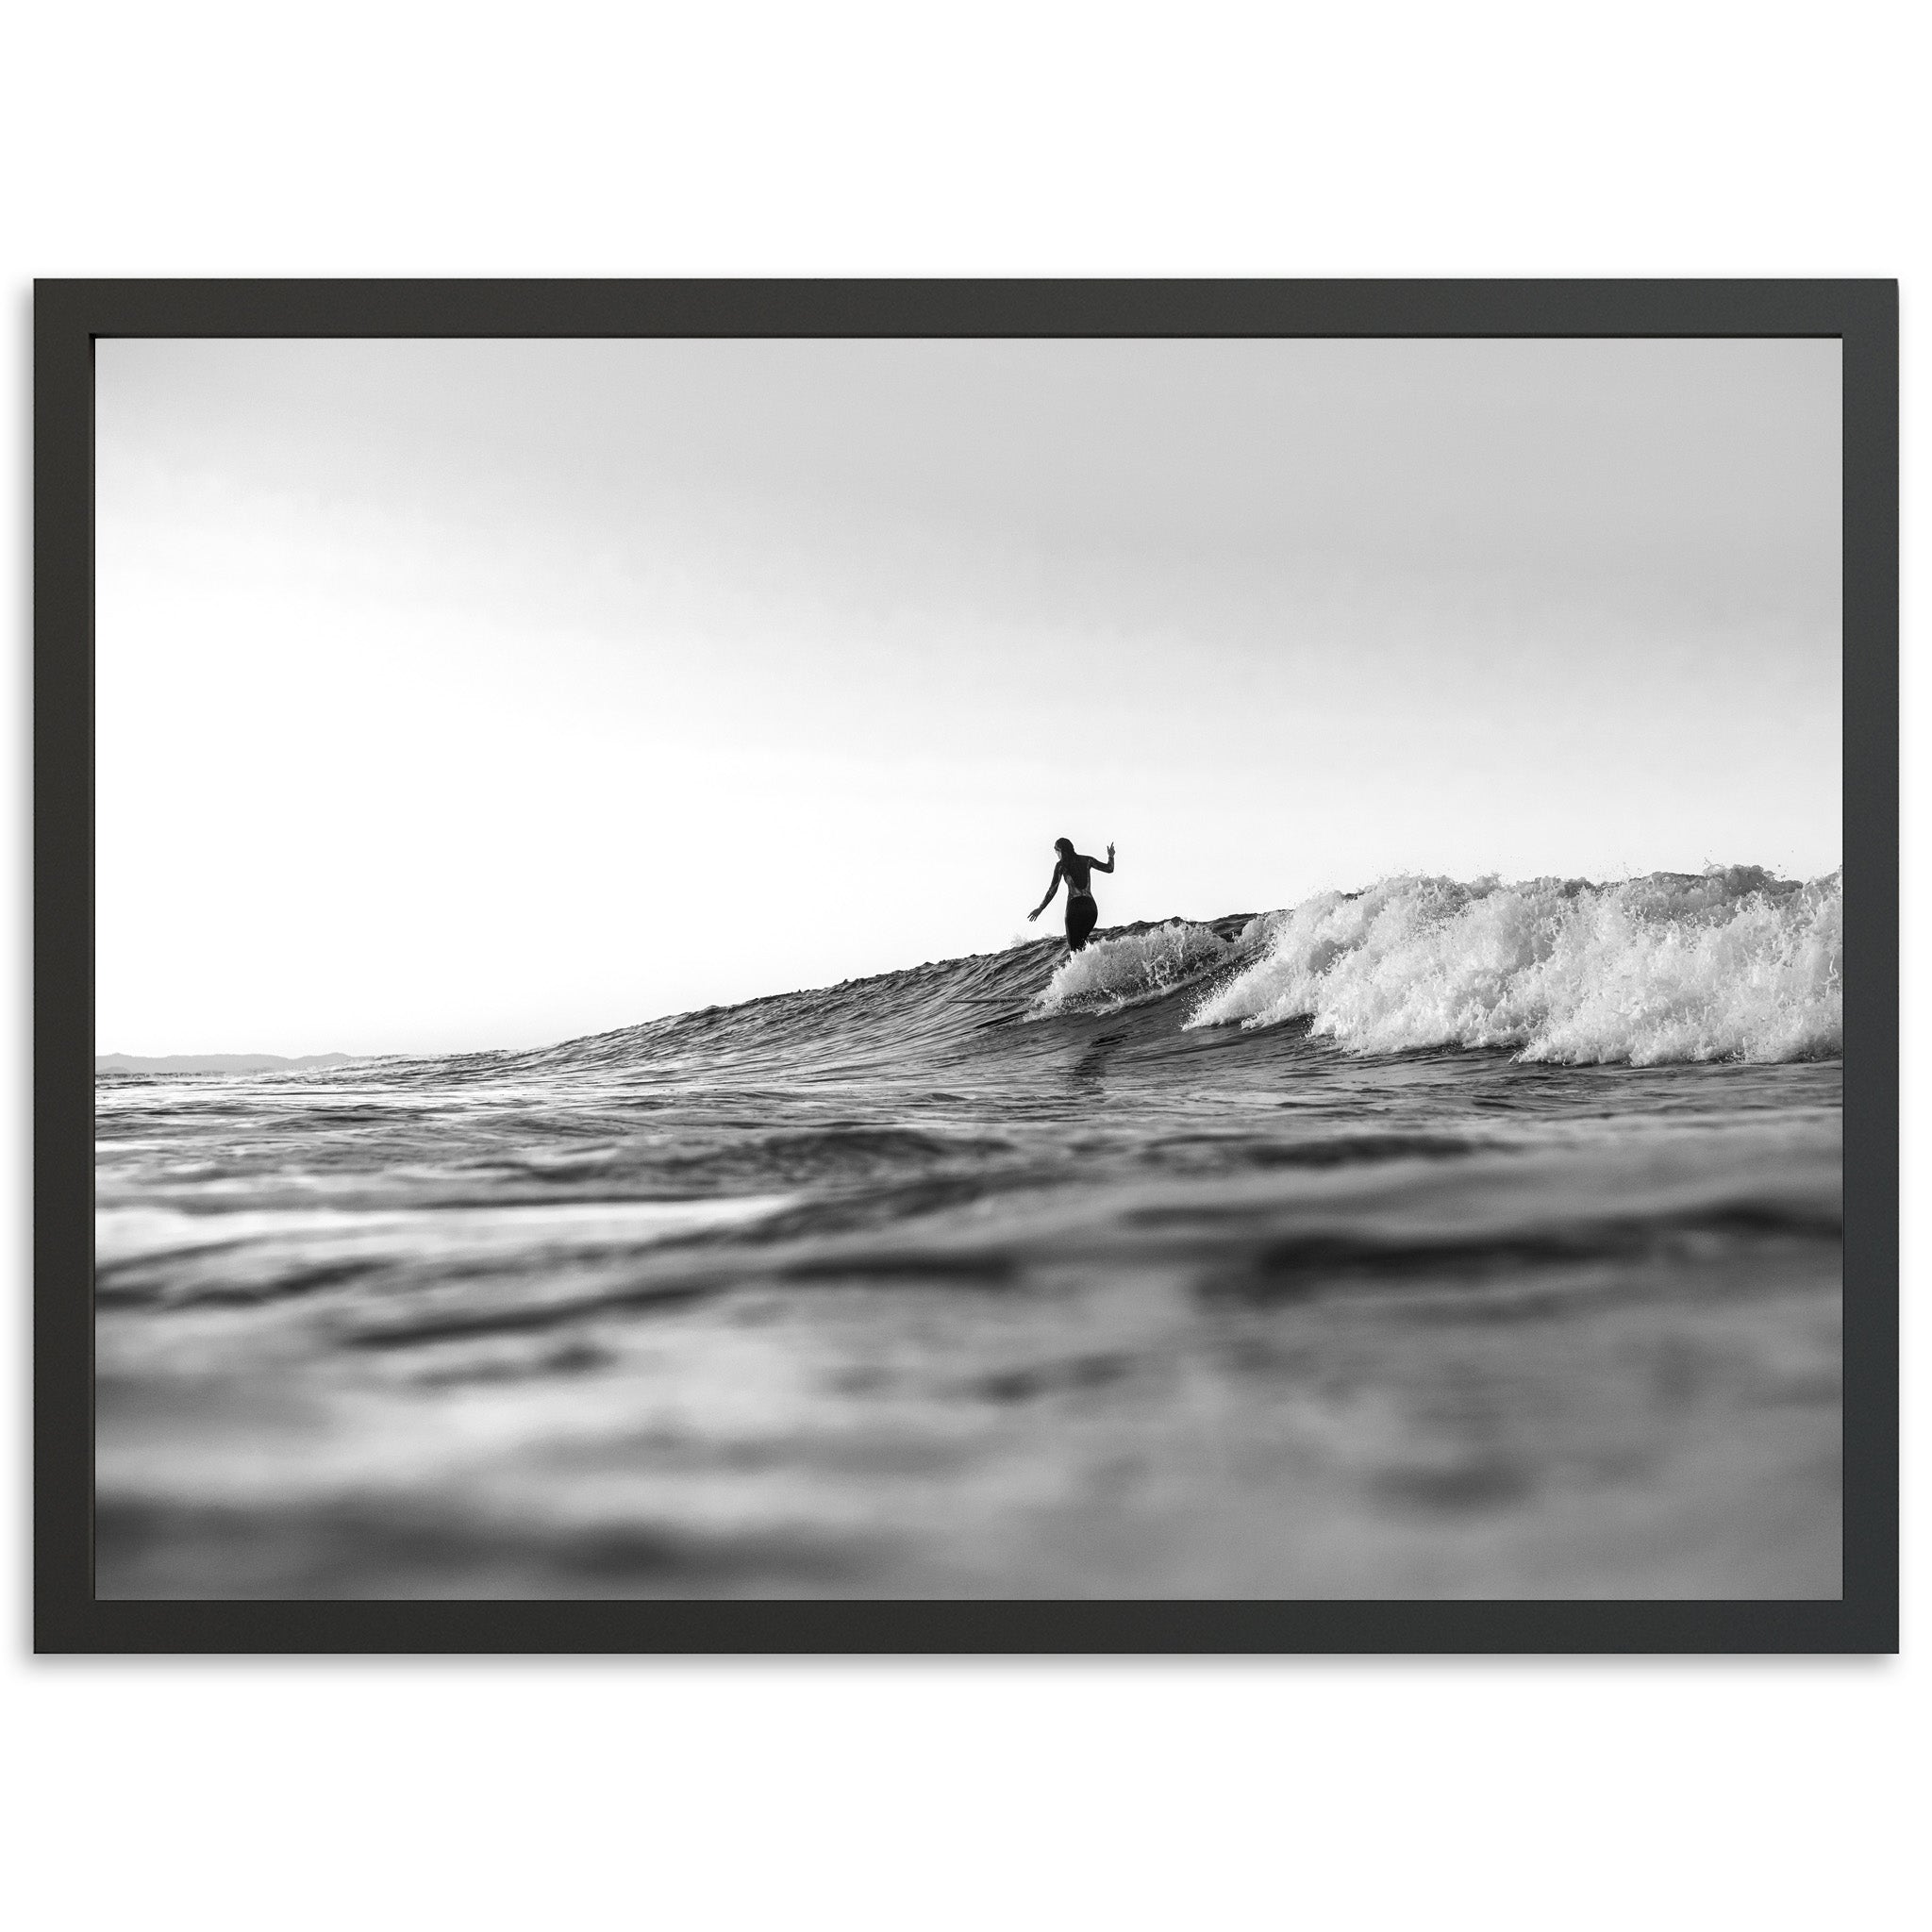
1735	964
1132	969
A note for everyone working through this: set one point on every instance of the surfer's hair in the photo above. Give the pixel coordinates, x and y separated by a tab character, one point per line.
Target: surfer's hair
1065	845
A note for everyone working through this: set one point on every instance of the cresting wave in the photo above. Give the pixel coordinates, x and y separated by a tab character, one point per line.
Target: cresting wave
1734	964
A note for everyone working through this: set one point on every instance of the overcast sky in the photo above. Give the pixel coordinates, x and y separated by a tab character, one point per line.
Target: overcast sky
464	695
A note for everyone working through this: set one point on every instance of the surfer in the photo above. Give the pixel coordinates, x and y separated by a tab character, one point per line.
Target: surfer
1082	909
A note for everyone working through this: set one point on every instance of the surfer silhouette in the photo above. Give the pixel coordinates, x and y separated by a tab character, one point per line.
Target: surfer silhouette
1082	909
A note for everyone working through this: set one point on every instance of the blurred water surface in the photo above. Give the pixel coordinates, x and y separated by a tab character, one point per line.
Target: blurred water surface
965	1282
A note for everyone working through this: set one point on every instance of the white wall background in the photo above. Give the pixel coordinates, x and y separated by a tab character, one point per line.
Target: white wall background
1036	139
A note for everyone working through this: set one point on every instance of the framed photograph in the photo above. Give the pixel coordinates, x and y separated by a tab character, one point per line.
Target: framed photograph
1007	967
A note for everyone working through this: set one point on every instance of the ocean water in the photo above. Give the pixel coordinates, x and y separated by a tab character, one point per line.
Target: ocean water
1445	1239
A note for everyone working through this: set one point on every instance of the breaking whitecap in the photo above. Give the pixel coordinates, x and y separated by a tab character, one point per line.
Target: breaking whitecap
1732	964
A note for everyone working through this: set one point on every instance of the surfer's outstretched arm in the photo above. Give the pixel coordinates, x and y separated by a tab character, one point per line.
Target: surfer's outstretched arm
1052	886
1097	865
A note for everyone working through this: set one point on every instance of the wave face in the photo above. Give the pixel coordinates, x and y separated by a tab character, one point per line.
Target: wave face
1735	964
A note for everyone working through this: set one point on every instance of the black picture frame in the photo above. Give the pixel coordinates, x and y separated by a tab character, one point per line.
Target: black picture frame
70	315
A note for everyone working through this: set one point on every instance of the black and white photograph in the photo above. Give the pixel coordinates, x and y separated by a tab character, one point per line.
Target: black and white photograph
1148	969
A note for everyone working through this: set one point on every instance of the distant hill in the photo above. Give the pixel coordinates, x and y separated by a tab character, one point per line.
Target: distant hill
214	1063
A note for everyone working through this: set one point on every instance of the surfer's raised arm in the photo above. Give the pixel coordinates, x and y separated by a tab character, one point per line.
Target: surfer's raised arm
1052	886
1097	865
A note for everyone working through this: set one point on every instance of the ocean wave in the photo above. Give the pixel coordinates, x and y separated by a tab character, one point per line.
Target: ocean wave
1734	963
1133	970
